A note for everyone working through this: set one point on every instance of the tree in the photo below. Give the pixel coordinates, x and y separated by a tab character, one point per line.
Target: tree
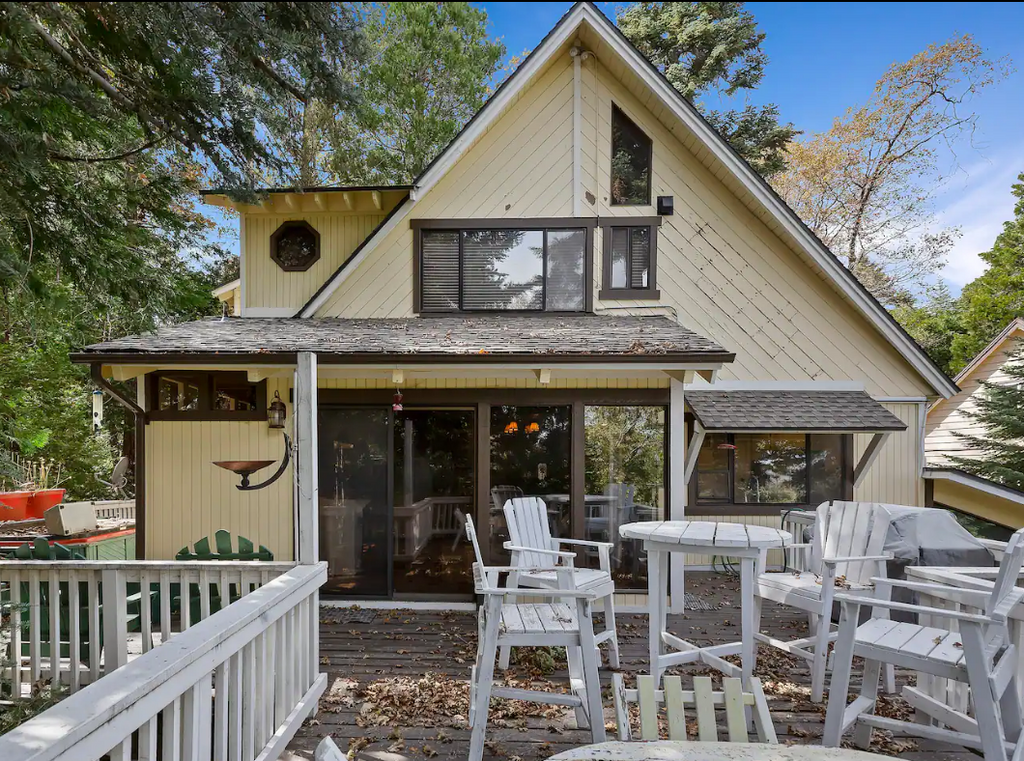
996	297
426	75
702	47
865	185
936	323
1001	411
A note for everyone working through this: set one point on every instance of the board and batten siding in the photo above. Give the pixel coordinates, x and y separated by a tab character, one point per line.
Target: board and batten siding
953	415
188	497
895	477
267	286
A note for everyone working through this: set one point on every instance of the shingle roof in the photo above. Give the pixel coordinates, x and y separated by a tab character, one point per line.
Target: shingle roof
790	411
480	337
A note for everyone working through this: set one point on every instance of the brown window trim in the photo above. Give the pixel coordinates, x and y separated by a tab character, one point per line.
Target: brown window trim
205	412
509	223
651	291
284	227
611	157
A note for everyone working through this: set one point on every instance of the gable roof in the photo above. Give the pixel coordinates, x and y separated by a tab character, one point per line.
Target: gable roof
1016	325
762	195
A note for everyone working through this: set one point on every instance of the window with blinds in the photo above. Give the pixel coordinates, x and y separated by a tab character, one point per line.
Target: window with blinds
629	261
519	270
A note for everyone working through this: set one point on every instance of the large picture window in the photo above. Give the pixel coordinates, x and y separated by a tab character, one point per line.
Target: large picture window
631	162
772	469
517	269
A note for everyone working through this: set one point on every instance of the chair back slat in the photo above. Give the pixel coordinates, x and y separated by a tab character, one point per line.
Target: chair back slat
702	699
502	494
1009	570
527	519
850	529
471	533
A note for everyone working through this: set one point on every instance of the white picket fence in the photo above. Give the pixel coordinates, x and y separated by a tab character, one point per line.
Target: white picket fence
235	685
79	620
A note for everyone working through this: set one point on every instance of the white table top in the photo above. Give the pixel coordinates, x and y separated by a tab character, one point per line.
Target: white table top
706	534
666	750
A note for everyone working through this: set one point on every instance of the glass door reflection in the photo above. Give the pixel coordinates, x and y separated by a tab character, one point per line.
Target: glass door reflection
355	499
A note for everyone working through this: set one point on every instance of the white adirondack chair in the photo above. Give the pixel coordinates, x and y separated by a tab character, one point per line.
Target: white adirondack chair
980	654
702	700
847	548
561	619
532	547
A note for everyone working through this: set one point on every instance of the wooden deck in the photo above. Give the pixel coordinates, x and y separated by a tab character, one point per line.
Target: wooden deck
398	684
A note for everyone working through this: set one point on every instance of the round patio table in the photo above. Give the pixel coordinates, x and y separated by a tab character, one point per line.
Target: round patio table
666	750
748	543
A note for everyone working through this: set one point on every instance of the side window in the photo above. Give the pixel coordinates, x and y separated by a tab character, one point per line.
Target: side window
631	162
630	249
193	395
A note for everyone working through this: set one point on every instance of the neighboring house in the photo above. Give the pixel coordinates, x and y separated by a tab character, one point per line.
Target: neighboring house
588	296
230	295
948	486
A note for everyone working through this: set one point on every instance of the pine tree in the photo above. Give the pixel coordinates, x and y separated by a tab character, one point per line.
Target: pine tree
1000	453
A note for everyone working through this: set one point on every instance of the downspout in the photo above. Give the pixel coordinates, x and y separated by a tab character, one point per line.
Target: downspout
95	370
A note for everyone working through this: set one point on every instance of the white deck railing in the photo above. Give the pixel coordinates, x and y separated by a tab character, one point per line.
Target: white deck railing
79	620
235	685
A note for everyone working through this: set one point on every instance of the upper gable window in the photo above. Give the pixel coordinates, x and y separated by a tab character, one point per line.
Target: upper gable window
485	266
631	162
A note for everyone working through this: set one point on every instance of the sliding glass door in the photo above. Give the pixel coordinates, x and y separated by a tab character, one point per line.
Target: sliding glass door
356	499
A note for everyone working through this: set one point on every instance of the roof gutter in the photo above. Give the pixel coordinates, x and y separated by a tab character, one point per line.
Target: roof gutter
96	371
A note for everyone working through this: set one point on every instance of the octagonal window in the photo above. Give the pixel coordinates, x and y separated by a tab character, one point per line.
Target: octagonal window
295	246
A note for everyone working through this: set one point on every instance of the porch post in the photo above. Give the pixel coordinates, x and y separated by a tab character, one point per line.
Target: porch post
677	483
307	491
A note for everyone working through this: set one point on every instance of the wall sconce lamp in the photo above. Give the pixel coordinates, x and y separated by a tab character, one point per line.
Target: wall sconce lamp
276	412
246	468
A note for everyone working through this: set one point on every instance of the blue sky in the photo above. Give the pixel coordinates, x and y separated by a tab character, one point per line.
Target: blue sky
825	57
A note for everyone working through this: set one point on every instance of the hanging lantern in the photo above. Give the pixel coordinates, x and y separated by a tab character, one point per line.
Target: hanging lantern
397	406
532	428
512	427
276	412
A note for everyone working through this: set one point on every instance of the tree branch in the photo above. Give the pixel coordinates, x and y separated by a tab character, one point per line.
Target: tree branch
97	159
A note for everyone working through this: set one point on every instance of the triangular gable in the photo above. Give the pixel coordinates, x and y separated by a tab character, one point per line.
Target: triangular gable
759	193
1016	326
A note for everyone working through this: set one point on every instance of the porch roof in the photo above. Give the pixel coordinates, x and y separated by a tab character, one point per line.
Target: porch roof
477	338
798	411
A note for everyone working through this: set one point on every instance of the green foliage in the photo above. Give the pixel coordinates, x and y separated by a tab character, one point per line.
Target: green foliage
625	445
935	324
1000	453
713	47
425	77
996	297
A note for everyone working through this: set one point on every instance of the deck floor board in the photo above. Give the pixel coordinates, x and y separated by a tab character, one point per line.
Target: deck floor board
398	684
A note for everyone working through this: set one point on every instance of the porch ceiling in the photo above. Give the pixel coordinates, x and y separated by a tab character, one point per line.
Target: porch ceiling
490	338
798	411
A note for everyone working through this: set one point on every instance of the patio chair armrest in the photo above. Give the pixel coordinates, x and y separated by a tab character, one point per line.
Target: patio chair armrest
586	543
974	597
553	553
910	608
798	546
833	561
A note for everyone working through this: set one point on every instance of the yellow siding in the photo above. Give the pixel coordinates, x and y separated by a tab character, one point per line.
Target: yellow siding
267	285
975	502
953	414
895	477
187	497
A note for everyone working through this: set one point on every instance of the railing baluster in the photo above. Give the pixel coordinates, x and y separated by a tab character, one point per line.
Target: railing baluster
94	627
204	594
196	740
235	709
165	605
171	732
270	679
220	712
14	591
74	632
53	589
34	644
146	612
147	740
186	599
280	672
259	694
248	703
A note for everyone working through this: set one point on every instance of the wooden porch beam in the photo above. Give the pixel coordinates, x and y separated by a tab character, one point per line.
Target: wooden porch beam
320	200
377	199
307	542
869	456
347	198
676	482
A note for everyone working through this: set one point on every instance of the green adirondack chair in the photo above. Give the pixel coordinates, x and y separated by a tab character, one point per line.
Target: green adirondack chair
226	550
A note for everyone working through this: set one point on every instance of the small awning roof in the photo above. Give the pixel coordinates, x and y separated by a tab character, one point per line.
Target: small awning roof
797	411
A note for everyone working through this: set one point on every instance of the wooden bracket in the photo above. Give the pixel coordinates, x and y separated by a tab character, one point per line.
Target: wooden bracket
693	450
869	456
543	376
377	199
398	376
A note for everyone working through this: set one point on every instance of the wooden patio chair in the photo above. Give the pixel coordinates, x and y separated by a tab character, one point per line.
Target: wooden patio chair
228	548
846	552
542	561
702	700
980	653
563	619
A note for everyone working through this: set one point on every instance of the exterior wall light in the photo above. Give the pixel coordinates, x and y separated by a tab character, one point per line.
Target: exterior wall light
276	412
